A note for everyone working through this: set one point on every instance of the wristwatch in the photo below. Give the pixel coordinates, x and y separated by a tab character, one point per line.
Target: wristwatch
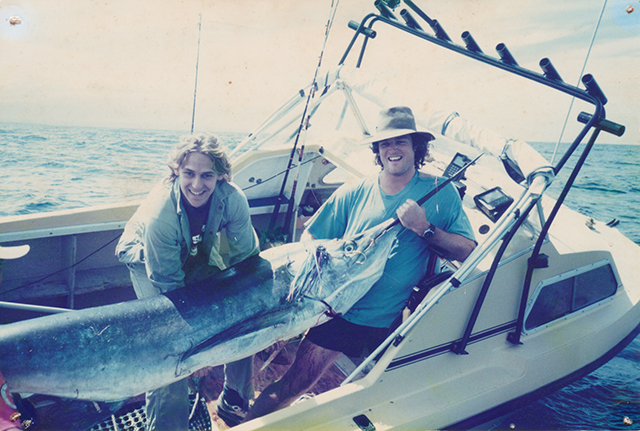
429	233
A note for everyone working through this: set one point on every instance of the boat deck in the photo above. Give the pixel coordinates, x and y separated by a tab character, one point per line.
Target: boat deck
211	385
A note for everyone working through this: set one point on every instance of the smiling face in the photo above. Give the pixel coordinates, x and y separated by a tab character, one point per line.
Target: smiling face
397	156
197	178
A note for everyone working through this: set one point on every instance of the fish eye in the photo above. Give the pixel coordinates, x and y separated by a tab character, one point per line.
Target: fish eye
350	247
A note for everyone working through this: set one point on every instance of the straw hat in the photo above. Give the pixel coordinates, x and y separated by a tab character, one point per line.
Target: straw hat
394	122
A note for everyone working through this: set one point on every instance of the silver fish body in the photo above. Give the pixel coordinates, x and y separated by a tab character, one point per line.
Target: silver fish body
118	351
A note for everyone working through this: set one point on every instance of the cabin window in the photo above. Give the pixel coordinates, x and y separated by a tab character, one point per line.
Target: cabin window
567	293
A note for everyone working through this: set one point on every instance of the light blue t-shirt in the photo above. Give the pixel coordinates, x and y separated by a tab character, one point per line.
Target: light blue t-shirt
354	208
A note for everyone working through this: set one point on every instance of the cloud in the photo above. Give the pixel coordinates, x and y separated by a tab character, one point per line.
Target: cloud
133	64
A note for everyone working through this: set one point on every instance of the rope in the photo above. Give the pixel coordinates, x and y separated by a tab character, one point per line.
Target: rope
584	66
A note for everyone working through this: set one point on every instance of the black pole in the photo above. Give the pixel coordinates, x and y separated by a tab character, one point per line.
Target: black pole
514	337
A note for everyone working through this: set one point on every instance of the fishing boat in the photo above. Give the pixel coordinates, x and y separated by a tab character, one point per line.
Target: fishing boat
548	296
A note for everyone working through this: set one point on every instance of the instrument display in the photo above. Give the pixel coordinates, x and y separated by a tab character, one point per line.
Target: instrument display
493	203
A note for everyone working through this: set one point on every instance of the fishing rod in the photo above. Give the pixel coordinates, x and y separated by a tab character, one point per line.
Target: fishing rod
304	123
195	90
429	195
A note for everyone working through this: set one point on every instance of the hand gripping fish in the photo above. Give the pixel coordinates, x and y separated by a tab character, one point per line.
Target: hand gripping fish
118	351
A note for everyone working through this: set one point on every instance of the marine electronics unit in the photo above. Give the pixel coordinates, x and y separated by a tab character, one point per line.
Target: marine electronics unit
493	203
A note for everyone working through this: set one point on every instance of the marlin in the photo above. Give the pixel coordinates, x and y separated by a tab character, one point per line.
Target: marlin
118	351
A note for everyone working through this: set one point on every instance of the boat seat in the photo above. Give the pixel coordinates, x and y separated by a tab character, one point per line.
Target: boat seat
430	280
426	284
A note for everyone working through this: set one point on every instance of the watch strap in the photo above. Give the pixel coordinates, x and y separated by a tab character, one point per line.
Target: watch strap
429	233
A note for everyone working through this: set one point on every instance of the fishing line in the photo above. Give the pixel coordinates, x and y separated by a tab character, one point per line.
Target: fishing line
304	120
584	66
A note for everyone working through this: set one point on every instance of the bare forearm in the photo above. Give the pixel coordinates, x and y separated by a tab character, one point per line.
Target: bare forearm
456	246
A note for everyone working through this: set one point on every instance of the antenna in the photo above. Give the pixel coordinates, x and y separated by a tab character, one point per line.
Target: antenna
195	90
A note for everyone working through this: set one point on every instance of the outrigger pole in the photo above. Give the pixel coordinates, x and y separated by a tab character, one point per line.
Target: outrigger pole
195	90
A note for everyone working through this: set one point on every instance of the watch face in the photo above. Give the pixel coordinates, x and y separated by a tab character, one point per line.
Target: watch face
428	233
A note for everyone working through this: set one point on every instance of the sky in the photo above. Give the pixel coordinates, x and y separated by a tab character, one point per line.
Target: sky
133	64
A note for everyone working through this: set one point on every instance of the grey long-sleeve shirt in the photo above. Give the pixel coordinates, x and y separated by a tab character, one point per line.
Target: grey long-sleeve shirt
158	234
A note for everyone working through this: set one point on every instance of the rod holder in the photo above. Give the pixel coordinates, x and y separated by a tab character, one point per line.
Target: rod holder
440	33
365	30
470	42
434	24
549	71
419	11
410	20
604	124
593	88
505	55
384	9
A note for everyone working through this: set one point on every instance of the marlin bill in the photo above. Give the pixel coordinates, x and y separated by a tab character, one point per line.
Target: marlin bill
118	351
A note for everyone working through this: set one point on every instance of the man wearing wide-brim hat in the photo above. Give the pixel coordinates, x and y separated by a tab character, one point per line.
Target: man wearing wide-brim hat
398	124
400	149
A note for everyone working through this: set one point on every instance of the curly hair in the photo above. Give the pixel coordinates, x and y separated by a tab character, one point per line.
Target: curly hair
420	149
208	145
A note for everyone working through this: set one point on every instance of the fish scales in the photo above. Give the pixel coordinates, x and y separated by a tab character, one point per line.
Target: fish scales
118	351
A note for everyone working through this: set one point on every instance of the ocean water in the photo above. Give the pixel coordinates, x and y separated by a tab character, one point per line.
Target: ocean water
47	168
607	188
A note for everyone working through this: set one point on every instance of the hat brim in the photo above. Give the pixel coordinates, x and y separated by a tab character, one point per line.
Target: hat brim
394	133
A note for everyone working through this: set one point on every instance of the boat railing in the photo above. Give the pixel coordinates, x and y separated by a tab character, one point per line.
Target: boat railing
280	113
535	261
66	222
33	308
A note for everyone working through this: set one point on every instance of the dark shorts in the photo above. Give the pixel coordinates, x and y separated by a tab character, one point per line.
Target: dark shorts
343	336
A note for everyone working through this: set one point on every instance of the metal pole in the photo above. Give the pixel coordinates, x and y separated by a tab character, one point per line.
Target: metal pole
195	90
